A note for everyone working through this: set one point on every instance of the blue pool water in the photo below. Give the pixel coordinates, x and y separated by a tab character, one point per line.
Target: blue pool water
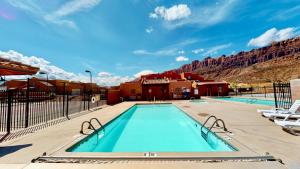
198	101
152	128
249	100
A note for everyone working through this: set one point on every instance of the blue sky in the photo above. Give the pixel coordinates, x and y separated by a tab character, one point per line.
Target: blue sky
119	39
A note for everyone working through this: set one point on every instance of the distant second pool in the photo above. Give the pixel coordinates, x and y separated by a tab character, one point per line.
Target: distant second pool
248	100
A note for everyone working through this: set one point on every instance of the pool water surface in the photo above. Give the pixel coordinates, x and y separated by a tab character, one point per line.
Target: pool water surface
152	128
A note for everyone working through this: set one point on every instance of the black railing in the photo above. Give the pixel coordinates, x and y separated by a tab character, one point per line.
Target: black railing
260	92
282	95
24	108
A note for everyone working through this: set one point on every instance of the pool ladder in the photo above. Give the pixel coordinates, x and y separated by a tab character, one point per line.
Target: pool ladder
91	126
216	122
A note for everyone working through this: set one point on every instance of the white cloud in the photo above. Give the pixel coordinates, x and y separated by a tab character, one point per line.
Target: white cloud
144	72
181	52
69	8
59	15
54	72
104	74
173	13
149	30
273	35
204	15
163	52
197	51
44	65
182	59
215	50
109	79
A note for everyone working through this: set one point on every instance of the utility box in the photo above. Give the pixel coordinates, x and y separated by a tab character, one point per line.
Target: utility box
295	89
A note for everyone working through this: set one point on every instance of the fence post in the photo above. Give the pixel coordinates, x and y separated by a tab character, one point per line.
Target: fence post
275	95
67	109
88	100
64	93
27	105
84	97
9	107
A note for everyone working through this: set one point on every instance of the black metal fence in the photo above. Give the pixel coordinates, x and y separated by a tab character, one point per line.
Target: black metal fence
260	92
24	108
282	95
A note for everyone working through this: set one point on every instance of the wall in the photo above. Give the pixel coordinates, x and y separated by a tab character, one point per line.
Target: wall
158	91
295	89
113	96
176	89
213	90
131	90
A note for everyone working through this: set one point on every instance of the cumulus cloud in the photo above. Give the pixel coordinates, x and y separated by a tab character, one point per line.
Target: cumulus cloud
173	13
144	72
182	59
44	65
104	74
54	72
273	35
109	79
202	16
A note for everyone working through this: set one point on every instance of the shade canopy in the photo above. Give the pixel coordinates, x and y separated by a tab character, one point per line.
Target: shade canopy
8	67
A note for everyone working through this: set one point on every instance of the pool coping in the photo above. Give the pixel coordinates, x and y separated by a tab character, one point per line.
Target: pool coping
243	150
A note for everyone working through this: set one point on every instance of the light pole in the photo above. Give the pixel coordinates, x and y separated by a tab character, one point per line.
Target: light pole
91	79
44	73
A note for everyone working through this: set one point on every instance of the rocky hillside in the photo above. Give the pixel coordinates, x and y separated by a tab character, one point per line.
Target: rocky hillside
278	62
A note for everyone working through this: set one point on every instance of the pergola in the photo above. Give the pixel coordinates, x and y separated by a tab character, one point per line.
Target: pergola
8	67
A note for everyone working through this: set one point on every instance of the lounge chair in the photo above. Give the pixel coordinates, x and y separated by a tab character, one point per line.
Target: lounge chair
291	126
279	112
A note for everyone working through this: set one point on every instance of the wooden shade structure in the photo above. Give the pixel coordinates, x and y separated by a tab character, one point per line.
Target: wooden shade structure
8	67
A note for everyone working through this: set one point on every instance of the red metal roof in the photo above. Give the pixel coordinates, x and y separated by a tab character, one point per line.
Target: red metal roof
8	67
156	81
210	83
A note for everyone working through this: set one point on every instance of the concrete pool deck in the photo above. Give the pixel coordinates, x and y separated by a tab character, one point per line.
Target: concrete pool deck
251	131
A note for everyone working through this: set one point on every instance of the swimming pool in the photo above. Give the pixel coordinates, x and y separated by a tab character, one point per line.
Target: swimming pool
152	128
249	100
198	101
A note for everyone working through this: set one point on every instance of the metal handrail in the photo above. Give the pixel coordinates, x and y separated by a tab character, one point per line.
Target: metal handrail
204	135
212	116
89	127
101	126
223	123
